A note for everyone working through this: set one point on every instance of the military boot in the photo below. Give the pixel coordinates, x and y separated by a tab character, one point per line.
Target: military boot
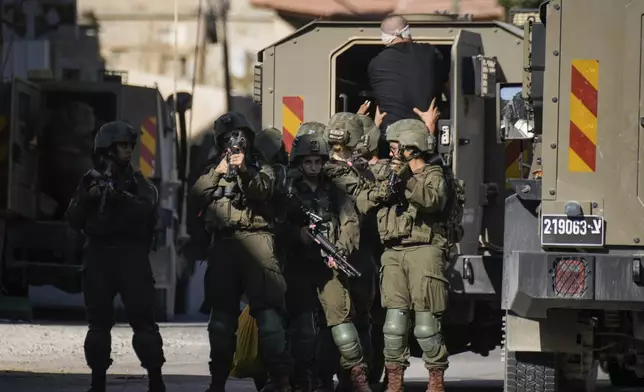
301	381
436	380
359	379
217	382
322	384
155	381
282	384
395	377
99	381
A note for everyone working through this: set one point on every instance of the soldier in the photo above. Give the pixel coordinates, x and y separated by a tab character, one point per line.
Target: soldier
412	276
350	172
116	208
232	195
319	195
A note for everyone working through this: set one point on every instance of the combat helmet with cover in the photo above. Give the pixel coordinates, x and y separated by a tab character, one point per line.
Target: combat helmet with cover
114	132
369	142
306	145
414	133
311	128
229	122
411	133
345	129
269	142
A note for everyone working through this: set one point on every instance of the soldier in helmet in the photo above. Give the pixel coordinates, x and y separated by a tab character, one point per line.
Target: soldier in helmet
412	275
116	208
233	196
314	189
350	172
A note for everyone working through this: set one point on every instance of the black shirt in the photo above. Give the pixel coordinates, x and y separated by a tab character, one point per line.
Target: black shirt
404	76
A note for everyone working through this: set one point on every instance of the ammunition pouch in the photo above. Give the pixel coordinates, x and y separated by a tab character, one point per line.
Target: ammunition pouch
400	225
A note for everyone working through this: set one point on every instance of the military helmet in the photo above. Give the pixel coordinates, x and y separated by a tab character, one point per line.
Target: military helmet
371	134
114	132
229	122
409	133
306	145
268	142
344	128
311	128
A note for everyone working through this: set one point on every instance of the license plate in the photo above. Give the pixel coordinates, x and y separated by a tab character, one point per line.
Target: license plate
562	230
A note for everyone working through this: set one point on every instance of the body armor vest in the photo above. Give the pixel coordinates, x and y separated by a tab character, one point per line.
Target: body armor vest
231	210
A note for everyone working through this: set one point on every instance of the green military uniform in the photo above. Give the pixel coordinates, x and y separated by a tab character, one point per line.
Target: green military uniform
352	176
412	273
301	294
115	207
327	201
242	258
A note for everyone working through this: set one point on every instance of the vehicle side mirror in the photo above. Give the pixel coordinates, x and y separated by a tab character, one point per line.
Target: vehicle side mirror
514	119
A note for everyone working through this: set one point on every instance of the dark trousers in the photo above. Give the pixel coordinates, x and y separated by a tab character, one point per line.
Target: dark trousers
111	270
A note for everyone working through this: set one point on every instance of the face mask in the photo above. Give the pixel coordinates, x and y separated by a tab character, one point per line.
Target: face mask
387	38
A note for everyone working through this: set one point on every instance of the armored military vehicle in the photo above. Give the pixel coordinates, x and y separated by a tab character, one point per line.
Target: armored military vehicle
481	55
573	287
49	115
46	147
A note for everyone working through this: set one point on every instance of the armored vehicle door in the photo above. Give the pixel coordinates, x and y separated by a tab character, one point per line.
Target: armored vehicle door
22	152
139	108
468	137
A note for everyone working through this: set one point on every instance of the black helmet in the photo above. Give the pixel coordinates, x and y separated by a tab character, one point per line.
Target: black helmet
232	121
114	132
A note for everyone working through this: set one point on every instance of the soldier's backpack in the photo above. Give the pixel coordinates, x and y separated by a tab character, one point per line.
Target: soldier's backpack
452	214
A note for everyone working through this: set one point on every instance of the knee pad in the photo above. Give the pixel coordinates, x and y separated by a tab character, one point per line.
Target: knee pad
148	346
395	332
98	346
428	333
303	336
346	339
272	336
221	329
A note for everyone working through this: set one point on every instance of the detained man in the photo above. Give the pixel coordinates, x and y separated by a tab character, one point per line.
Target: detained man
406	74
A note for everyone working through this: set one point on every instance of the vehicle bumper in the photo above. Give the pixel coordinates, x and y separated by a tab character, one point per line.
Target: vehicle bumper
536	281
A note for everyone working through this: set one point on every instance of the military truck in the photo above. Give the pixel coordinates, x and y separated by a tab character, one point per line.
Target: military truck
573	287
482	56
46	138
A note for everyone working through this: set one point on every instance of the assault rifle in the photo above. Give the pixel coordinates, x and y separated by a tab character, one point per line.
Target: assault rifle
105	183
236	145
316	231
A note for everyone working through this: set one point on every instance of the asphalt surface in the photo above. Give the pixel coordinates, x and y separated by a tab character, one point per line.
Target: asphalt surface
49	357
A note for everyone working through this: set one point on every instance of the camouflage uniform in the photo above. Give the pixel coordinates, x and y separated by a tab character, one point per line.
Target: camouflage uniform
352	177
332	287
242	258
301	295
119	222
412	273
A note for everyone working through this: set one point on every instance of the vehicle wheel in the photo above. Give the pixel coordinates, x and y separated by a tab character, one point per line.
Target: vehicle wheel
530	371
622	377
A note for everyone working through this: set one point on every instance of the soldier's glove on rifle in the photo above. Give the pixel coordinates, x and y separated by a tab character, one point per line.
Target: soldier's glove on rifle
236	146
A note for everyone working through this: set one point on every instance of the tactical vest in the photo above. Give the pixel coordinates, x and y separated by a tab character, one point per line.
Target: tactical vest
230	210
123	220
404	224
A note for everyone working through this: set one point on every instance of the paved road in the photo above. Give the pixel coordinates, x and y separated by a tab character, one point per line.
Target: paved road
48	357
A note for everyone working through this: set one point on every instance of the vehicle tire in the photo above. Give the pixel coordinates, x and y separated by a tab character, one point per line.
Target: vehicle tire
622	377
530	372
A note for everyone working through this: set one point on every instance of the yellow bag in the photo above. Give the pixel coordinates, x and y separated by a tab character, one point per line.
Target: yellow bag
246	362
